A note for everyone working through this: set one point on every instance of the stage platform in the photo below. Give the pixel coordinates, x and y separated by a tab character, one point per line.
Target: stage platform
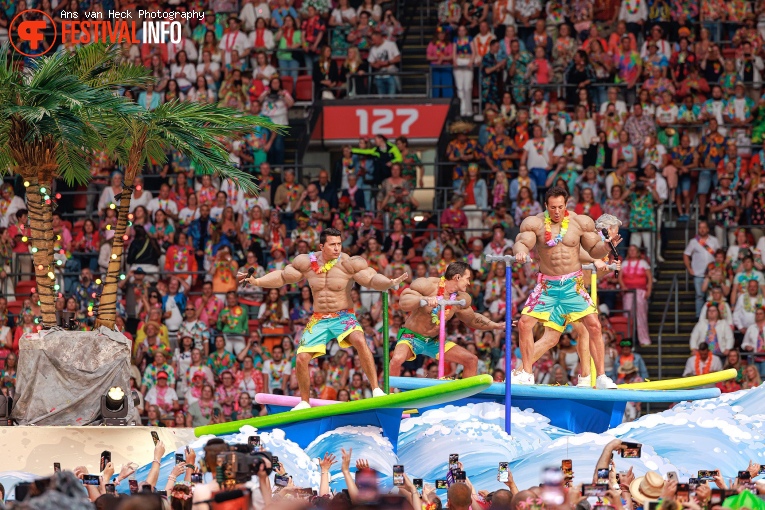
35	449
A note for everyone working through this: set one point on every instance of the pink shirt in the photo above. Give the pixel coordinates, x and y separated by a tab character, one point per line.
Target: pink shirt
435	49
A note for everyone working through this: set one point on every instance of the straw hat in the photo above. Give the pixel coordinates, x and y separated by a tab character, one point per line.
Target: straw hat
461	126
627	368
647	487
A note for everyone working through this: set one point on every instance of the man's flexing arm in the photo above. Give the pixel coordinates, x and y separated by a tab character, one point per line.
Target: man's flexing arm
590	240
475	320
292	273
368	277
527	239
421	288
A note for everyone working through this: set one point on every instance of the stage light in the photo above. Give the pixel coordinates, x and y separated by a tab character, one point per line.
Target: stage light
6	404
114	407
418	217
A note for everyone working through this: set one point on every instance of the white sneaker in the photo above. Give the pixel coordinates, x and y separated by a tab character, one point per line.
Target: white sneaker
584	382
302	405
603	382
521	377
377	392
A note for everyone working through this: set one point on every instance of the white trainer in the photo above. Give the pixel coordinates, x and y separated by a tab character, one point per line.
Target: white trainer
377	392
603	382
302	405
584	382
521	377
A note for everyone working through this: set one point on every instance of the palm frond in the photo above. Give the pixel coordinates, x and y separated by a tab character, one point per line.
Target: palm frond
100	66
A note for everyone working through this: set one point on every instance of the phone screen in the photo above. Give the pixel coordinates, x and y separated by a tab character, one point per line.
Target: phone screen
253	441
196	477
91	480
179	458
594	490
154	437
653	505
567	467
216	412
460	476
56	467
417	482
133	484
454	458
110	489
552	486
398	475
281	480
603	475
744	475
441	484
683	493
707	475
275	462
502	473
632	450
106	457
694	482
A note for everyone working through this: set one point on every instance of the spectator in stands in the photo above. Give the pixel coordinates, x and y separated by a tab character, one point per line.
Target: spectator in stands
325	75
463	54
627	355
746	273
697	256
276	103
714	332
702	362
746	305
636	275
754	339
383	58
439	54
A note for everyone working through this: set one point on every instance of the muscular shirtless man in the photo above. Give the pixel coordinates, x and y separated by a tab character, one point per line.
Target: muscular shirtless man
331	277
419	334
560	296
584	343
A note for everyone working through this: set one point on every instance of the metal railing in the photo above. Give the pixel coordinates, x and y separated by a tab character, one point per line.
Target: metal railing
673	292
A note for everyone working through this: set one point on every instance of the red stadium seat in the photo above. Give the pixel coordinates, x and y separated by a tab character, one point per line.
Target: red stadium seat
304	88
14	307
80	199
288	84
621	325
24	288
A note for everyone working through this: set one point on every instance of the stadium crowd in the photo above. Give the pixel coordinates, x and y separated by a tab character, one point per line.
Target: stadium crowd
636	108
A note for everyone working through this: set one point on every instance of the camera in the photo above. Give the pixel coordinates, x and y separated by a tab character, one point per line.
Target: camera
240	464
640	186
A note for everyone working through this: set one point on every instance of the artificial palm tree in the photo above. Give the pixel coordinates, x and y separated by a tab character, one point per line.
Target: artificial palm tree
51	116
195	130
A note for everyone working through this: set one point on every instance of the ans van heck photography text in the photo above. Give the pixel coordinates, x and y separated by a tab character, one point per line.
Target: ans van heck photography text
117	27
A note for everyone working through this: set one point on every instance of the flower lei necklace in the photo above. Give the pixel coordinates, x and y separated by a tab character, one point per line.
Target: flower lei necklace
434	313
549	239
325	268
707	365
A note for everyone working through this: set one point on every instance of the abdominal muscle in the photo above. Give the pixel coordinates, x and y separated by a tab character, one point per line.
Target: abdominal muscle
331	291
561	259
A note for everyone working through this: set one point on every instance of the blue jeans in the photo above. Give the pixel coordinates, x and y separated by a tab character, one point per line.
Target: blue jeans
701	296
540	176
289	68
386	85
310	59
276	154
443	82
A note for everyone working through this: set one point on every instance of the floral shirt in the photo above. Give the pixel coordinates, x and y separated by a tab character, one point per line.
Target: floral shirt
642	212
197	330
713	9
685	9
712	149
456	149
220	362
727	216
150	375
409	168
500	145
233	321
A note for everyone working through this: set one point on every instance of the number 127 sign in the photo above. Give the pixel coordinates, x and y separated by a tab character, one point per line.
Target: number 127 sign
412	121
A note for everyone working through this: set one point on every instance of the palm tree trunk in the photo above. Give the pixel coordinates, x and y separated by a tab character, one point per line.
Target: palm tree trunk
40	216
107	309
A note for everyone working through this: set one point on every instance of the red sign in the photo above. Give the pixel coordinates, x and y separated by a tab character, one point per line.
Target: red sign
350	122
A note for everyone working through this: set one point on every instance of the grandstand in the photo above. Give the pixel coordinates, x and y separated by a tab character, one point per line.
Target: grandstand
417	128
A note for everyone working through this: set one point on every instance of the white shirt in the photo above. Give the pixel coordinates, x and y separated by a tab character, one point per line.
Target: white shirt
723	330
233	41
213	67
690	365
250	13
10	214
654	156
661	187
170	395
536	160
640	15
155	204
143	200
741	318
700	257
268	39
663	47
584	135
187	69
386	52
106	198
490	250
283	368
187	215
244	204
186	45
750	338
621	107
